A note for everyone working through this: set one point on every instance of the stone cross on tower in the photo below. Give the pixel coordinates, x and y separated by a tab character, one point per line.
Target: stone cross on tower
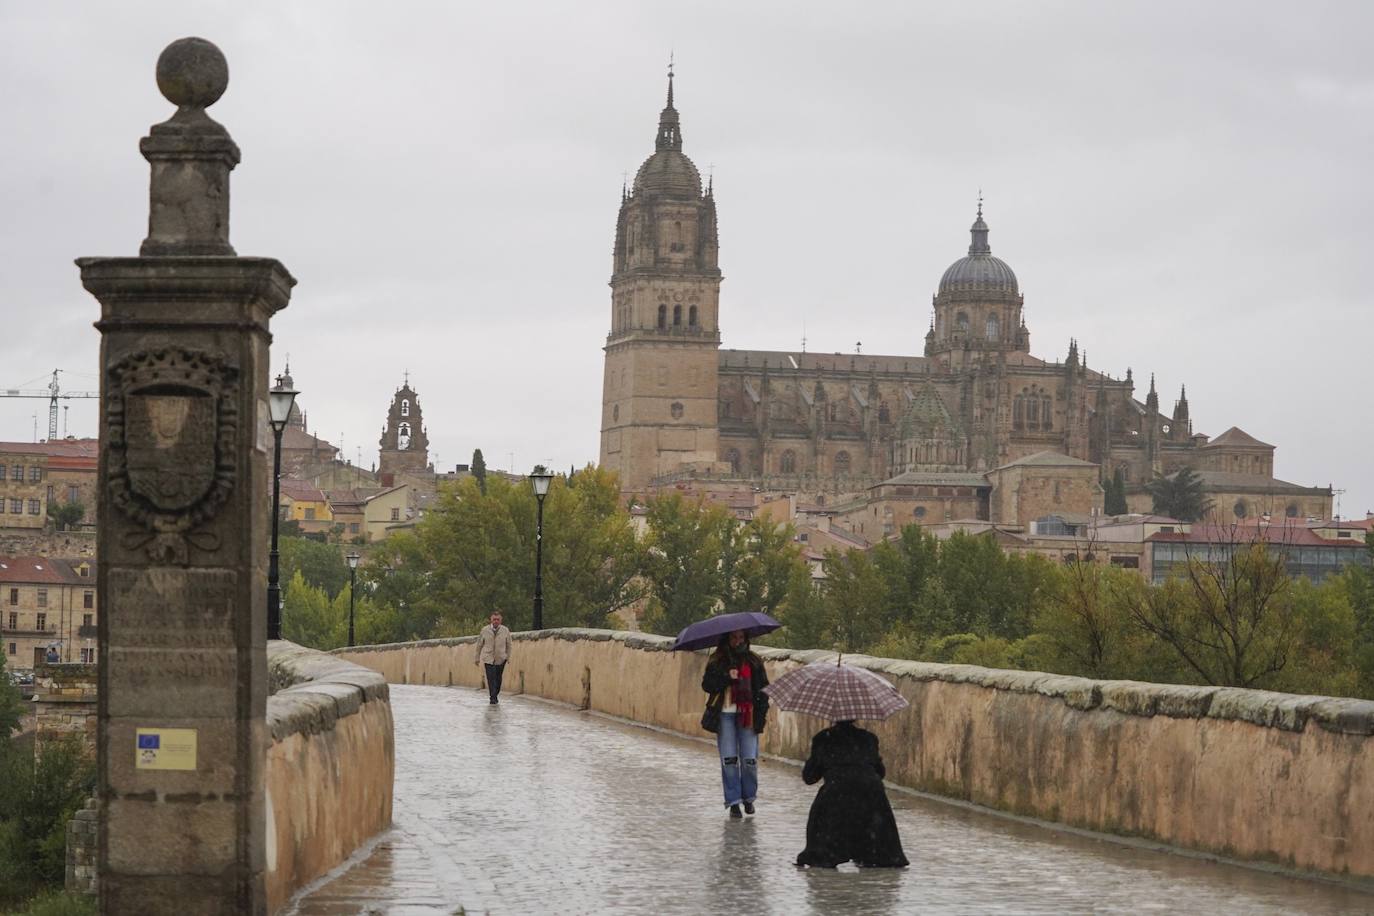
183	519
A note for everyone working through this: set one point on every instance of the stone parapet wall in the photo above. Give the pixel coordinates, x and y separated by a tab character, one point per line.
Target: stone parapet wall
83	832
1249	774
72	545
330	764
64	703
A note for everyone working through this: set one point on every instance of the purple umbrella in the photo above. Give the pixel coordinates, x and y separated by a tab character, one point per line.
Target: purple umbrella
704	634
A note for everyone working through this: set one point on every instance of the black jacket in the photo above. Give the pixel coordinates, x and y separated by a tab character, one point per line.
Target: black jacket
851	818
717	679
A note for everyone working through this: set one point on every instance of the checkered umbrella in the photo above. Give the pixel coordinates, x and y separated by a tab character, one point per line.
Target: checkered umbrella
835	691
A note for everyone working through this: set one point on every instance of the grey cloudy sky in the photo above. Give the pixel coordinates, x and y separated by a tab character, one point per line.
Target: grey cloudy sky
1184	187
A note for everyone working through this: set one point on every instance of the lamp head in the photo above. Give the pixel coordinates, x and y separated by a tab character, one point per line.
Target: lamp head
541	480
279	402
352	559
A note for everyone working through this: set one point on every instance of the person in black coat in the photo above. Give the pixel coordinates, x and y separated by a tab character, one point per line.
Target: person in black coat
850	818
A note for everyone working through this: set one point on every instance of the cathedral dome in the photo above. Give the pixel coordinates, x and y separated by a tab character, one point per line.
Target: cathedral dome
668	171
979	271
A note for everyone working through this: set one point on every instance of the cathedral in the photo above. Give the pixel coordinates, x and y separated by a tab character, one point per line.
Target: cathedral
676	404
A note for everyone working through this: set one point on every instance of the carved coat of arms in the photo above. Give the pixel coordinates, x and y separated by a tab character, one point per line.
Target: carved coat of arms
172	421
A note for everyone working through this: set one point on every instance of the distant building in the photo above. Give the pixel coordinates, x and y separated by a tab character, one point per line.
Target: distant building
47	604
1314	550
975	400
23	487
404	442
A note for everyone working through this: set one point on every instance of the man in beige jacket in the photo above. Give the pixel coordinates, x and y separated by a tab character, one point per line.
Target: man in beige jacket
493	650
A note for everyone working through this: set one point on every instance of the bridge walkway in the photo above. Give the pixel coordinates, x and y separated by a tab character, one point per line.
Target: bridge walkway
530	807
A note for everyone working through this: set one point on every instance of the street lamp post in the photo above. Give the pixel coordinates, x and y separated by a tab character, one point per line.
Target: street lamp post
279	402
541	480
352	559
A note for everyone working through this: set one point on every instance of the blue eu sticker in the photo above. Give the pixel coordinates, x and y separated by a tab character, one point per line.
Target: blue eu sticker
146	742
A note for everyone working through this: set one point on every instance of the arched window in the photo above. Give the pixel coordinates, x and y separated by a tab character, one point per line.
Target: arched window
403	436
732	457
615	413
405	407
663	316
961	321
1018	412
788	464
676	410
1032	413
677	315
1291	511
1240	509
841	462
993	330
1046	414
692	316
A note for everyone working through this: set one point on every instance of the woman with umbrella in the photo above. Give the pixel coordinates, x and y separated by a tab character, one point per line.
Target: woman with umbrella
736	706
851	819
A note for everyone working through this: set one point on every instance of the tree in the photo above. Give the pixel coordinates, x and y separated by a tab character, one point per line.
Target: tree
857	594
66	515
1084	623
479	470
1180	496
38	795
307	616
758	566
1230	616
321	564
11	705
1358	584
1114	502
474	553
684	545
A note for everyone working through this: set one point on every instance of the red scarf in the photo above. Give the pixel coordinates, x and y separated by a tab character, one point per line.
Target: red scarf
742	692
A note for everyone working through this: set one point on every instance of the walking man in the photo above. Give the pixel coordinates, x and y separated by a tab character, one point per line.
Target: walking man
493	650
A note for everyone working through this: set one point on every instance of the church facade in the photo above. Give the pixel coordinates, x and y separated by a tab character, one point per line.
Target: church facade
675	403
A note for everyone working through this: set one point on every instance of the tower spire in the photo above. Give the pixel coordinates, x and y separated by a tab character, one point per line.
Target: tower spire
979	231
669	128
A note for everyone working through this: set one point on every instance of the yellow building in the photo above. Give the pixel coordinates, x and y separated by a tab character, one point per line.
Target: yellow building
306	504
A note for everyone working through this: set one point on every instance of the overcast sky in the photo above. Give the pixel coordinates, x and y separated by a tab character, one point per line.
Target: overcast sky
1184	187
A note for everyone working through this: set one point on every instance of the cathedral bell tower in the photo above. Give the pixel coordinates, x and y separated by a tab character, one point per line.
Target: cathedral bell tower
658	401
404	443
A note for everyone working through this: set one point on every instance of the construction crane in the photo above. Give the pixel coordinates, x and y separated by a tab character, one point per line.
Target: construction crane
52	393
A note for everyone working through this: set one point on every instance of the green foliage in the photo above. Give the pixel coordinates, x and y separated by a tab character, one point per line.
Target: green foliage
321	564
61	903
1180	496
479	470
682	561
37	798
963	601
474	553
11	704
67	515
698	560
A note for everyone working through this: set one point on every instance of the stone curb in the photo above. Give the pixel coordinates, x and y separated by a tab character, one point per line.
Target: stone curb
1287	712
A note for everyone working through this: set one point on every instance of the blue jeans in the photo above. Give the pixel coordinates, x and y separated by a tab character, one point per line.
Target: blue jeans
739	760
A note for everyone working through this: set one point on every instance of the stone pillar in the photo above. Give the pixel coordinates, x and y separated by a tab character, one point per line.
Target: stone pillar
183	521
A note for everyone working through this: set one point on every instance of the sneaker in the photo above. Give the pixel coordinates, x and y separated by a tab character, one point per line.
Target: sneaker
748	807
493	701
735	812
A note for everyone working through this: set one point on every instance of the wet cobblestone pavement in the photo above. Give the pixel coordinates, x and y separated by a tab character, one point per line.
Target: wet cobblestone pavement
528	807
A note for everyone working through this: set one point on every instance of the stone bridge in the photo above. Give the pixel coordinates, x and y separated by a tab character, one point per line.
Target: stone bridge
1028	793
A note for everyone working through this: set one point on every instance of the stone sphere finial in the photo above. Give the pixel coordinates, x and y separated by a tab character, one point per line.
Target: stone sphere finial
192	72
